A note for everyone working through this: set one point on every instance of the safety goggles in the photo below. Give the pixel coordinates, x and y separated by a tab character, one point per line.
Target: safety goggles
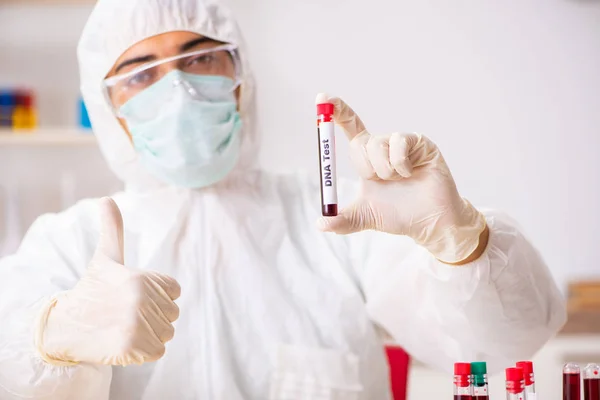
221	61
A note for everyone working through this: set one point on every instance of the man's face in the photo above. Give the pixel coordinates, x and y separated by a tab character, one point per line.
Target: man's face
160	47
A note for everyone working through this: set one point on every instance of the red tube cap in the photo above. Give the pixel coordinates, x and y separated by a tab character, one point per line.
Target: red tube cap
325	109
514	374
462	368
527	367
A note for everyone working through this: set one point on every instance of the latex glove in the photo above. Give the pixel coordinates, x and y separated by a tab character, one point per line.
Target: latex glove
114	315
407	189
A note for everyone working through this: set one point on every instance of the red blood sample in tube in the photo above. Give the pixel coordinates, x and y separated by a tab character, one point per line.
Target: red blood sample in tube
591	389
571	382
591	382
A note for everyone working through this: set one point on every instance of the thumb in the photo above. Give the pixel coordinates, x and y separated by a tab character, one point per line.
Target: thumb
344	116
355	218
111	231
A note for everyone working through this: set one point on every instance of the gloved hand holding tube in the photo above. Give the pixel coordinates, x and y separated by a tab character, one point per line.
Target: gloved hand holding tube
407	189
115	315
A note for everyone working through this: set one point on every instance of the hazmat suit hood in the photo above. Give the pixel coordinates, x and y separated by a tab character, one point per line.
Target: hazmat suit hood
116	25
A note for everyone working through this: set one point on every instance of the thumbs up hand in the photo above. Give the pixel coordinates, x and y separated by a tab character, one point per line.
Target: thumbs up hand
115	315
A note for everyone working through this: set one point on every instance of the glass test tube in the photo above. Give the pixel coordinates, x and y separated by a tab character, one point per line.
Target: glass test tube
591	382
527	367
571	382
327	161
515	384
480	380
462	382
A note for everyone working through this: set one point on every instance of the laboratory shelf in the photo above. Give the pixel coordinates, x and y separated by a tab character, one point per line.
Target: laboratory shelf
47	2
47	137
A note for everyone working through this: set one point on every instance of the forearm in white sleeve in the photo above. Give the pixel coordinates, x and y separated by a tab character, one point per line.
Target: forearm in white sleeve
500	308
27	280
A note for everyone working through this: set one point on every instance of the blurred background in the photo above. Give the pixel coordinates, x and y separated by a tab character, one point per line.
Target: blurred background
509	90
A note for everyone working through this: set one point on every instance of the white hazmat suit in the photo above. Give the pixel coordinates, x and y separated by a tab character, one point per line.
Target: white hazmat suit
270	308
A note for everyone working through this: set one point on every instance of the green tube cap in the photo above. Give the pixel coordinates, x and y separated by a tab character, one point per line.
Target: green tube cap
479	370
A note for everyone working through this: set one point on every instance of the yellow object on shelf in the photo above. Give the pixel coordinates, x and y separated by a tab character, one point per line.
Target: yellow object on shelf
24	119
24	116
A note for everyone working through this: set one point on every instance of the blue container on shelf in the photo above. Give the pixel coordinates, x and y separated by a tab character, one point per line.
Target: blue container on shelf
84	118
8	101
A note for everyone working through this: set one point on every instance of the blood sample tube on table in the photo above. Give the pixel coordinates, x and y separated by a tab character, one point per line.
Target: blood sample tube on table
327	160
571	382
591	382
463	390
527	367
515	384
480	380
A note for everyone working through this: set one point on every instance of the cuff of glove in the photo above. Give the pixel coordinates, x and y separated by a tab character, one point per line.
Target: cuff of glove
39	331
456	243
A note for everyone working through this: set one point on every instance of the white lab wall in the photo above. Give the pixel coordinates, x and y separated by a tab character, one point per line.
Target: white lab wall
509	91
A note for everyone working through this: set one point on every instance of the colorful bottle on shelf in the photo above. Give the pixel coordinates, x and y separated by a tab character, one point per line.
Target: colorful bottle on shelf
7	107
591	382
84	118
463	389
24	115
515	384
527	367
480	380
571	382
